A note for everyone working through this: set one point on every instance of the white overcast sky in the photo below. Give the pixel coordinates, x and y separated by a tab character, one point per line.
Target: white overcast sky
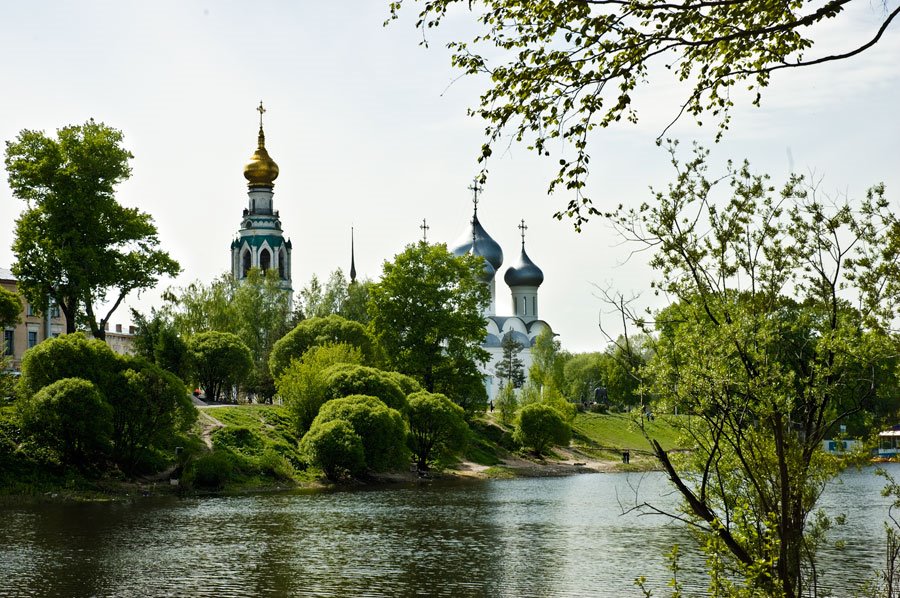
368	131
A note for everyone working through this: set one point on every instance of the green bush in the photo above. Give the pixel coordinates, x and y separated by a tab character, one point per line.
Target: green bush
210	471
302	385
237	438
437	427
381	429
317	332
407	384
507	404
220	360
335	448
69	356
71	418
343	380
540	426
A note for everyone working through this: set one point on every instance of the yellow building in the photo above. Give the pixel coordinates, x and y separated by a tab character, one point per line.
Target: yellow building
32	328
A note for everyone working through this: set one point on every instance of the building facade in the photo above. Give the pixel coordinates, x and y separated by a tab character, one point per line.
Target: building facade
33	326
260	242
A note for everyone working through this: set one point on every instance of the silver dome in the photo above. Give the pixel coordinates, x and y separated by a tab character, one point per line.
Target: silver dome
524	274
484	245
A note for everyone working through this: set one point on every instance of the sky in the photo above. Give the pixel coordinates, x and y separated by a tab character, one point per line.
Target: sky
370	130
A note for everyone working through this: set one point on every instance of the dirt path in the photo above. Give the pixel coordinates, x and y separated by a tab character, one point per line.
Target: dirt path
208	425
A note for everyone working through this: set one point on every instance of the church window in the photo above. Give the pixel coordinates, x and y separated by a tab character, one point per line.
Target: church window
282	258
245	263
524	306
534	305
265	260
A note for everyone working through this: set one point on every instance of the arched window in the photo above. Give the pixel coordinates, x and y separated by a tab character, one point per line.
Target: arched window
265	260
282	265
245	263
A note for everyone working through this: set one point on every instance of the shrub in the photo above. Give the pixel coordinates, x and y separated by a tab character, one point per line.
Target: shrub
407	384
210	471
343	380
317	332
71	418
381	428
437	427
539	426
302	385
335	448
69	356
507	404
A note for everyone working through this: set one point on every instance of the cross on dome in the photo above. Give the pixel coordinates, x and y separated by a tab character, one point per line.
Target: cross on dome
424	229
474	188
261	111
523	228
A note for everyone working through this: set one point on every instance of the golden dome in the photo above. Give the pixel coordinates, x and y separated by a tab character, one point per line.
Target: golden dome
261	170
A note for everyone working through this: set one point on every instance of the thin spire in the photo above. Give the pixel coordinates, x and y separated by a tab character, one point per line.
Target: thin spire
352	258
523	228
424	228
262	136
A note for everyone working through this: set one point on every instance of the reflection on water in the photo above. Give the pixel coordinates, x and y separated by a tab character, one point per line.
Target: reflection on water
536	537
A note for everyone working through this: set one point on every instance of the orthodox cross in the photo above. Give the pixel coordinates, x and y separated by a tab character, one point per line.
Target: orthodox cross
474	188
261	111
425	229
523	228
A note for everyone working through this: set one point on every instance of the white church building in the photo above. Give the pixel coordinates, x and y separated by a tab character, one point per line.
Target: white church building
523	278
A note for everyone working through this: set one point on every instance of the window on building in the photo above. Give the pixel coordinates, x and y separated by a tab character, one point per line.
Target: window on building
534	305
54	311
524	306
245	263
282	258
8	347
32	338
29	310
265	260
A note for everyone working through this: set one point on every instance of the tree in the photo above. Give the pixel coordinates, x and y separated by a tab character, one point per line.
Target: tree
75	244
321	331
338	297
507	404
71	418
558	70
427	315
346	379
540	426
256	309
10	308
381	429
785	302
437	427
303	384
158	342
334	447
148	409
582	375
221	362
547	361
510	367
69	356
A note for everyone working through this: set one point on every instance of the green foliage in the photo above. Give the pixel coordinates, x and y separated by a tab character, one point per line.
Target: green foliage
407	384
220	360
628	432
381	429
507	404
337	298
158	341
782	328
69	416
555	71
540	426
554	399
210	471
303	385
74	242
335	448
68	356
256	309
437	427
149	409
344	379
321	331
10	308
547	361
427	314
269	432
510	368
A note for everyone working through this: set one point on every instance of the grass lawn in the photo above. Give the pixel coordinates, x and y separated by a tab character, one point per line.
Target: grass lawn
616	432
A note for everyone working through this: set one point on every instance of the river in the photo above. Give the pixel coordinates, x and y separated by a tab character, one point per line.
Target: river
524	537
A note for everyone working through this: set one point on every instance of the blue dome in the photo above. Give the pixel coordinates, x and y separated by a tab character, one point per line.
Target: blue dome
484	245
524	274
